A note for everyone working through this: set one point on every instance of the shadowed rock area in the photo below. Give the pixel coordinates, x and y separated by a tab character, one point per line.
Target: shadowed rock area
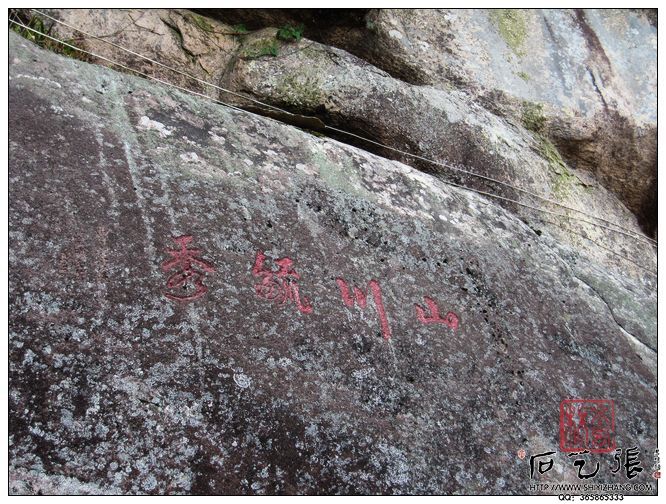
204	301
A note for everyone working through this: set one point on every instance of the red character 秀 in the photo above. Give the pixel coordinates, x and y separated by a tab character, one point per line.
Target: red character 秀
186	284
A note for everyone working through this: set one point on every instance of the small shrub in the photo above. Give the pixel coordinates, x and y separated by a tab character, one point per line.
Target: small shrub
291	33
38	34
240	29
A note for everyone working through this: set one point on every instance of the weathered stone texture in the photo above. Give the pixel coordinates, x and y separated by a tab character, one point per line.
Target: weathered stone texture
475	125
114	388
591	72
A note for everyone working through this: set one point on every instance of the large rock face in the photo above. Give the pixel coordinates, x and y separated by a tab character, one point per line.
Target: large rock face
206	301
506	140
590	75
196	46
593	73
450	128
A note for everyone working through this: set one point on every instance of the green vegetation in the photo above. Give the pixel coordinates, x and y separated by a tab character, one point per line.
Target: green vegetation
532	117
534	120
301	91
204	25
524	76
563	183
269	46
240	29
200	22
40	36
551	154
512	27
261	47
290	33
564	179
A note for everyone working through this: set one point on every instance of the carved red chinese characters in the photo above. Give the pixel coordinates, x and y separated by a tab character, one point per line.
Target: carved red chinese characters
360	298
186	283
279	286
450	319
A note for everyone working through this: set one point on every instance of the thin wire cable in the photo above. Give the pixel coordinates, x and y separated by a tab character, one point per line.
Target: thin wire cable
252	113
539	209
13	15
181	72
618	227
131	69
570	229
621	229
596	243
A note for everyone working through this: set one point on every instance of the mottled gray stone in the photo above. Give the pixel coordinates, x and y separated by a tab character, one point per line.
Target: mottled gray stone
450	128
114	388
469	126
591	73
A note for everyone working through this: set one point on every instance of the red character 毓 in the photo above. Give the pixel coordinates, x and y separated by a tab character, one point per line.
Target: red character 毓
190	271
279	286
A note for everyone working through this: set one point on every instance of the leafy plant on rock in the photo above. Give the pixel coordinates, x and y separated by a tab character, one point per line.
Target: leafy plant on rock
290	33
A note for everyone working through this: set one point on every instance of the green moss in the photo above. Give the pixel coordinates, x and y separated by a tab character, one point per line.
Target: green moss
200	22
524	76
204	25
261	47
563	178
563	184
512	27
302	91
532	116
549	152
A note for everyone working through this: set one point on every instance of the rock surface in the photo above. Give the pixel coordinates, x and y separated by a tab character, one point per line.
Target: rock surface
456	127
589	74
450	128
198	46
115	386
